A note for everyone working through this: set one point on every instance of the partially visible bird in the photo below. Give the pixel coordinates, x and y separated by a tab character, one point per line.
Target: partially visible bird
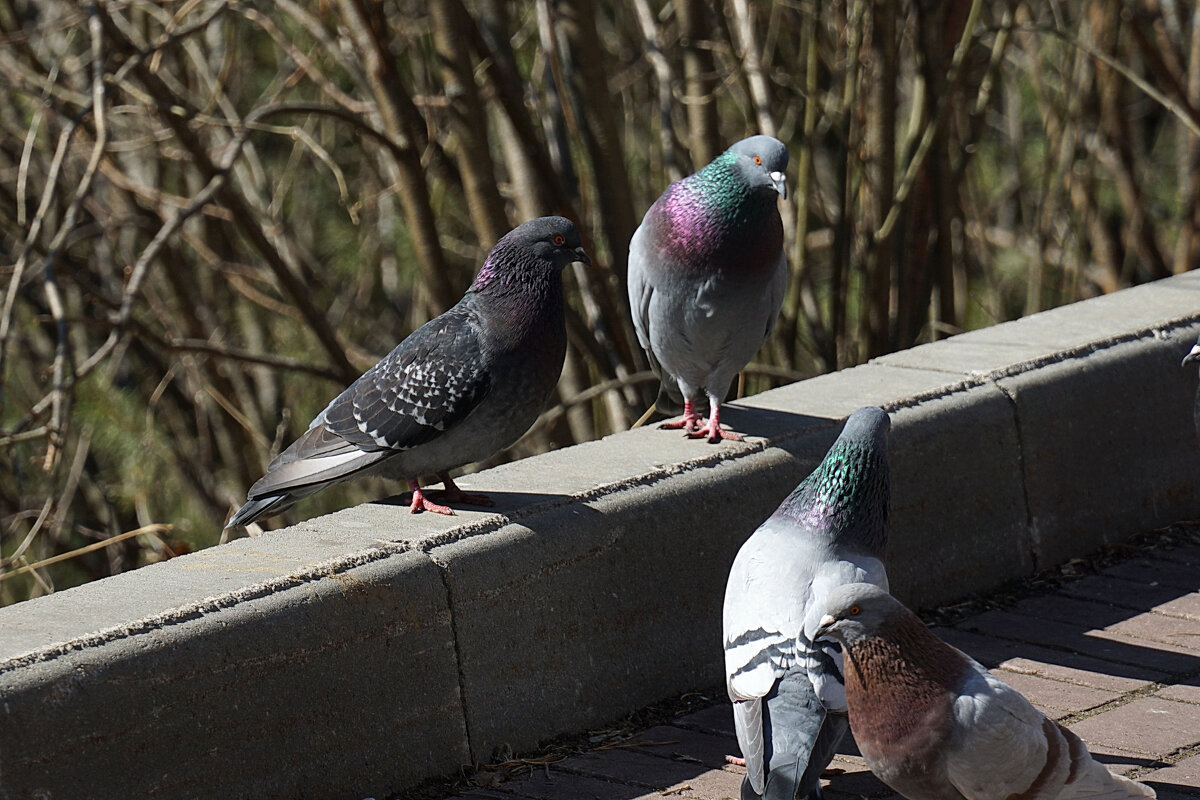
935	725
461	387
788	702
707	276
1193	357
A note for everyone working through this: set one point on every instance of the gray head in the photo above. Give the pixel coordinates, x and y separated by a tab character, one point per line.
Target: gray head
529	254
553	239
1193	355
868	425
762	161
856	611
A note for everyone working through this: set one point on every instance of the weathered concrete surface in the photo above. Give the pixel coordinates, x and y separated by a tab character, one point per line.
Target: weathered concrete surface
330	687
1101	437
360	652
605	605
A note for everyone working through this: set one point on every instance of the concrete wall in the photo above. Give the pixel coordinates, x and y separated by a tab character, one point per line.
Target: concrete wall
358	653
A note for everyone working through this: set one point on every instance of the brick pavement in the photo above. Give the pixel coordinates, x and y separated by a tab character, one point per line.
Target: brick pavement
1114	656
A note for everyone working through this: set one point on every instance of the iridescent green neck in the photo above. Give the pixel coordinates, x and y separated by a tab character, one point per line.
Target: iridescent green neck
720	185
845	497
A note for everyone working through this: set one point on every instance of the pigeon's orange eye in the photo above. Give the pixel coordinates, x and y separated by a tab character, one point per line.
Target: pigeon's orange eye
560	239
758	160
854	611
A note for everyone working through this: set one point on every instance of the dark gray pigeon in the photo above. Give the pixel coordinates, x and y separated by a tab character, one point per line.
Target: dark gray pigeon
707	276
1193	357
461	387
935	725
788	701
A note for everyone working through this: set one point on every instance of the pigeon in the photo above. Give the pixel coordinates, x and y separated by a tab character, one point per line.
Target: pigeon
1193	357
461	387
707	276
934	725
788	701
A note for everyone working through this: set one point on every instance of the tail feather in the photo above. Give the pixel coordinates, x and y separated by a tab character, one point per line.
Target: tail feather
260	507
798	739
748	723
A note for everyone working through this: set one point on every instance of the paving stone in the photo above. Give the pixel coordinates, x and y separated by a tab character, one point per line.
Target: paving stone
622	764
1117	760
713	784
1150	726
552	785
1175	659
1077	613
1177	632
1187	606
1180	554
1120	592
690	746
1098	644
1055	699
716	719
1156	572
1184	774
1054	664
1186	691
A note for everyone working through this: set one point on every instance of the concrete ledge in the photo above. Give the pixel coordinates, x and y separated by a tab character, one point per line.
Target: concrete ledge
361	652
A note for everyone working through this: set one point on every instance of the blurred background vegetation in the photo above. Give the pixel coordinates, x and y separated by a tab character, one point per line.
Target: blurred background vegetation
214	214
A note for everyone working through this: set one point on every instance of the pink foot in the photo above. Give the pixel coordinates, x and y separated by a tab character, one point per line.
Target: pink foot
712	430
689	423
421	503
737	761
714	433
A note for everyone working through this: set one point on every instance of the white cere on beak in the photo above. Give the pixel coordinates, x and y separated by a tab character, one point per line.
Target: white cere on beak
780	181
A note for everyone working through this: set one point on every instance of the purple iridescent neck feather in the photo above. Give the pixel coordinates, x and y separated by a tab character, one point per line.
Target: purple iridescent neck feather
715	218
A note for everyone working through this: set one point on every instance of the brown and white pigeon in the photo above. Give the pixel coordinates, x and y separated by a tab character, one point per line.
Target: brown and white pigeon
789	706
707	276
935	725
461	387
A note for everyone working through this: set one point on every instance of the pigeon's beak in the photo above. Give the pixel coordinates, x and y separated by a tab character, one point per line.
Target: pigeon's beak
780	181
581	255
823	626
1193	355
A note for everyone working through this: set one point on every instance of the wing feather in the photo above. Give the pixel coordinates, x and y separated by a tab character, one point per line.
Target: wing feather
432	380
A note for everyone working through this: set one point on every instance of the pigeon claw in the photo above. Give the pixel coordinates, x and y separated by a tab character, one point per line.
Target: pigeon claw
687	424
422	503
714	433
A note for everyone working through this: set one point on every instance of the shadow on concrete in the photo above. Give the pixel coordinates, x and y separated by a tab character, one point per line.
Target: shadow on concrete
771	424
502	502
